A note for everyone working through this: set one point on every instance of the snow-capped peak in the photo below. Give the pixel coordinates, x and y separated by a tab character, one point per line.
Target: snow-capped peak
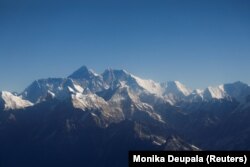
123	77
112	78
13	102
149	85
86	80
83	73
182	88
237	90
55	87
175	87
217	92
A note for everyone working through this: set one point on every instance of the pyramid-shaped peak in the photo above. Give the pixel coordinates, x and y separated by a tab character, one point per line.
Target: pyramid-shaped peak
83	73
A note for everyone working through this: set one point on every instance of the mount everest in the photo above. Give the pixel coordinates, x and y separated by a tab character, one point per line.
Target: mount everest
86	81
88	114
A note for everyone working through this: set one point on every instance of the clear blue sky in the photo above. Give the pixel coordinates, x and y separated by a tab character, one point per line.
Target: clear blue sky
198	42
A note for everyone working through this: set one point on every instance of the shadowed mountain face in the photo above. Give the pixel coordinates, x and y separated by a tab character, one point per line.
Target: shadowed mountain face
87	119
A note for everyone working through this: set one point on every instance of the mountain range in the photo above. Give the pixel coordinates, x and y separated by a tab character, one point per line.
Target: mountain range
86	119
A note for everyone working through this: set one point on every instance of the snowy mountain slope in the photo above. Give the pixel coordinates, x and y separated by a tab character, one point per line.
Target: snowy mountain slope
94	112
12	102
86	80
214	93
129	104
176	88
176	92
196	95
150	86
238	90
60	88
102	112
87	101
83	72
114	78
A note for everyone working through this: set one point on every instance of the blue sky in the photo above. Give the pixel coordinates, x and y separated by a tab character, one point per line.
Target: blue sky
198	42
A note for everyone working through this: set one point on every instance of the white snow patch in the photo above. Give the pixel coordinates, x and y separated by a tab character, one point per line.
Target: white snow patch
51	93
149	85
87	101
78	88
182	88
93	72
14	102
198	92
194	147
217	92
71	89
